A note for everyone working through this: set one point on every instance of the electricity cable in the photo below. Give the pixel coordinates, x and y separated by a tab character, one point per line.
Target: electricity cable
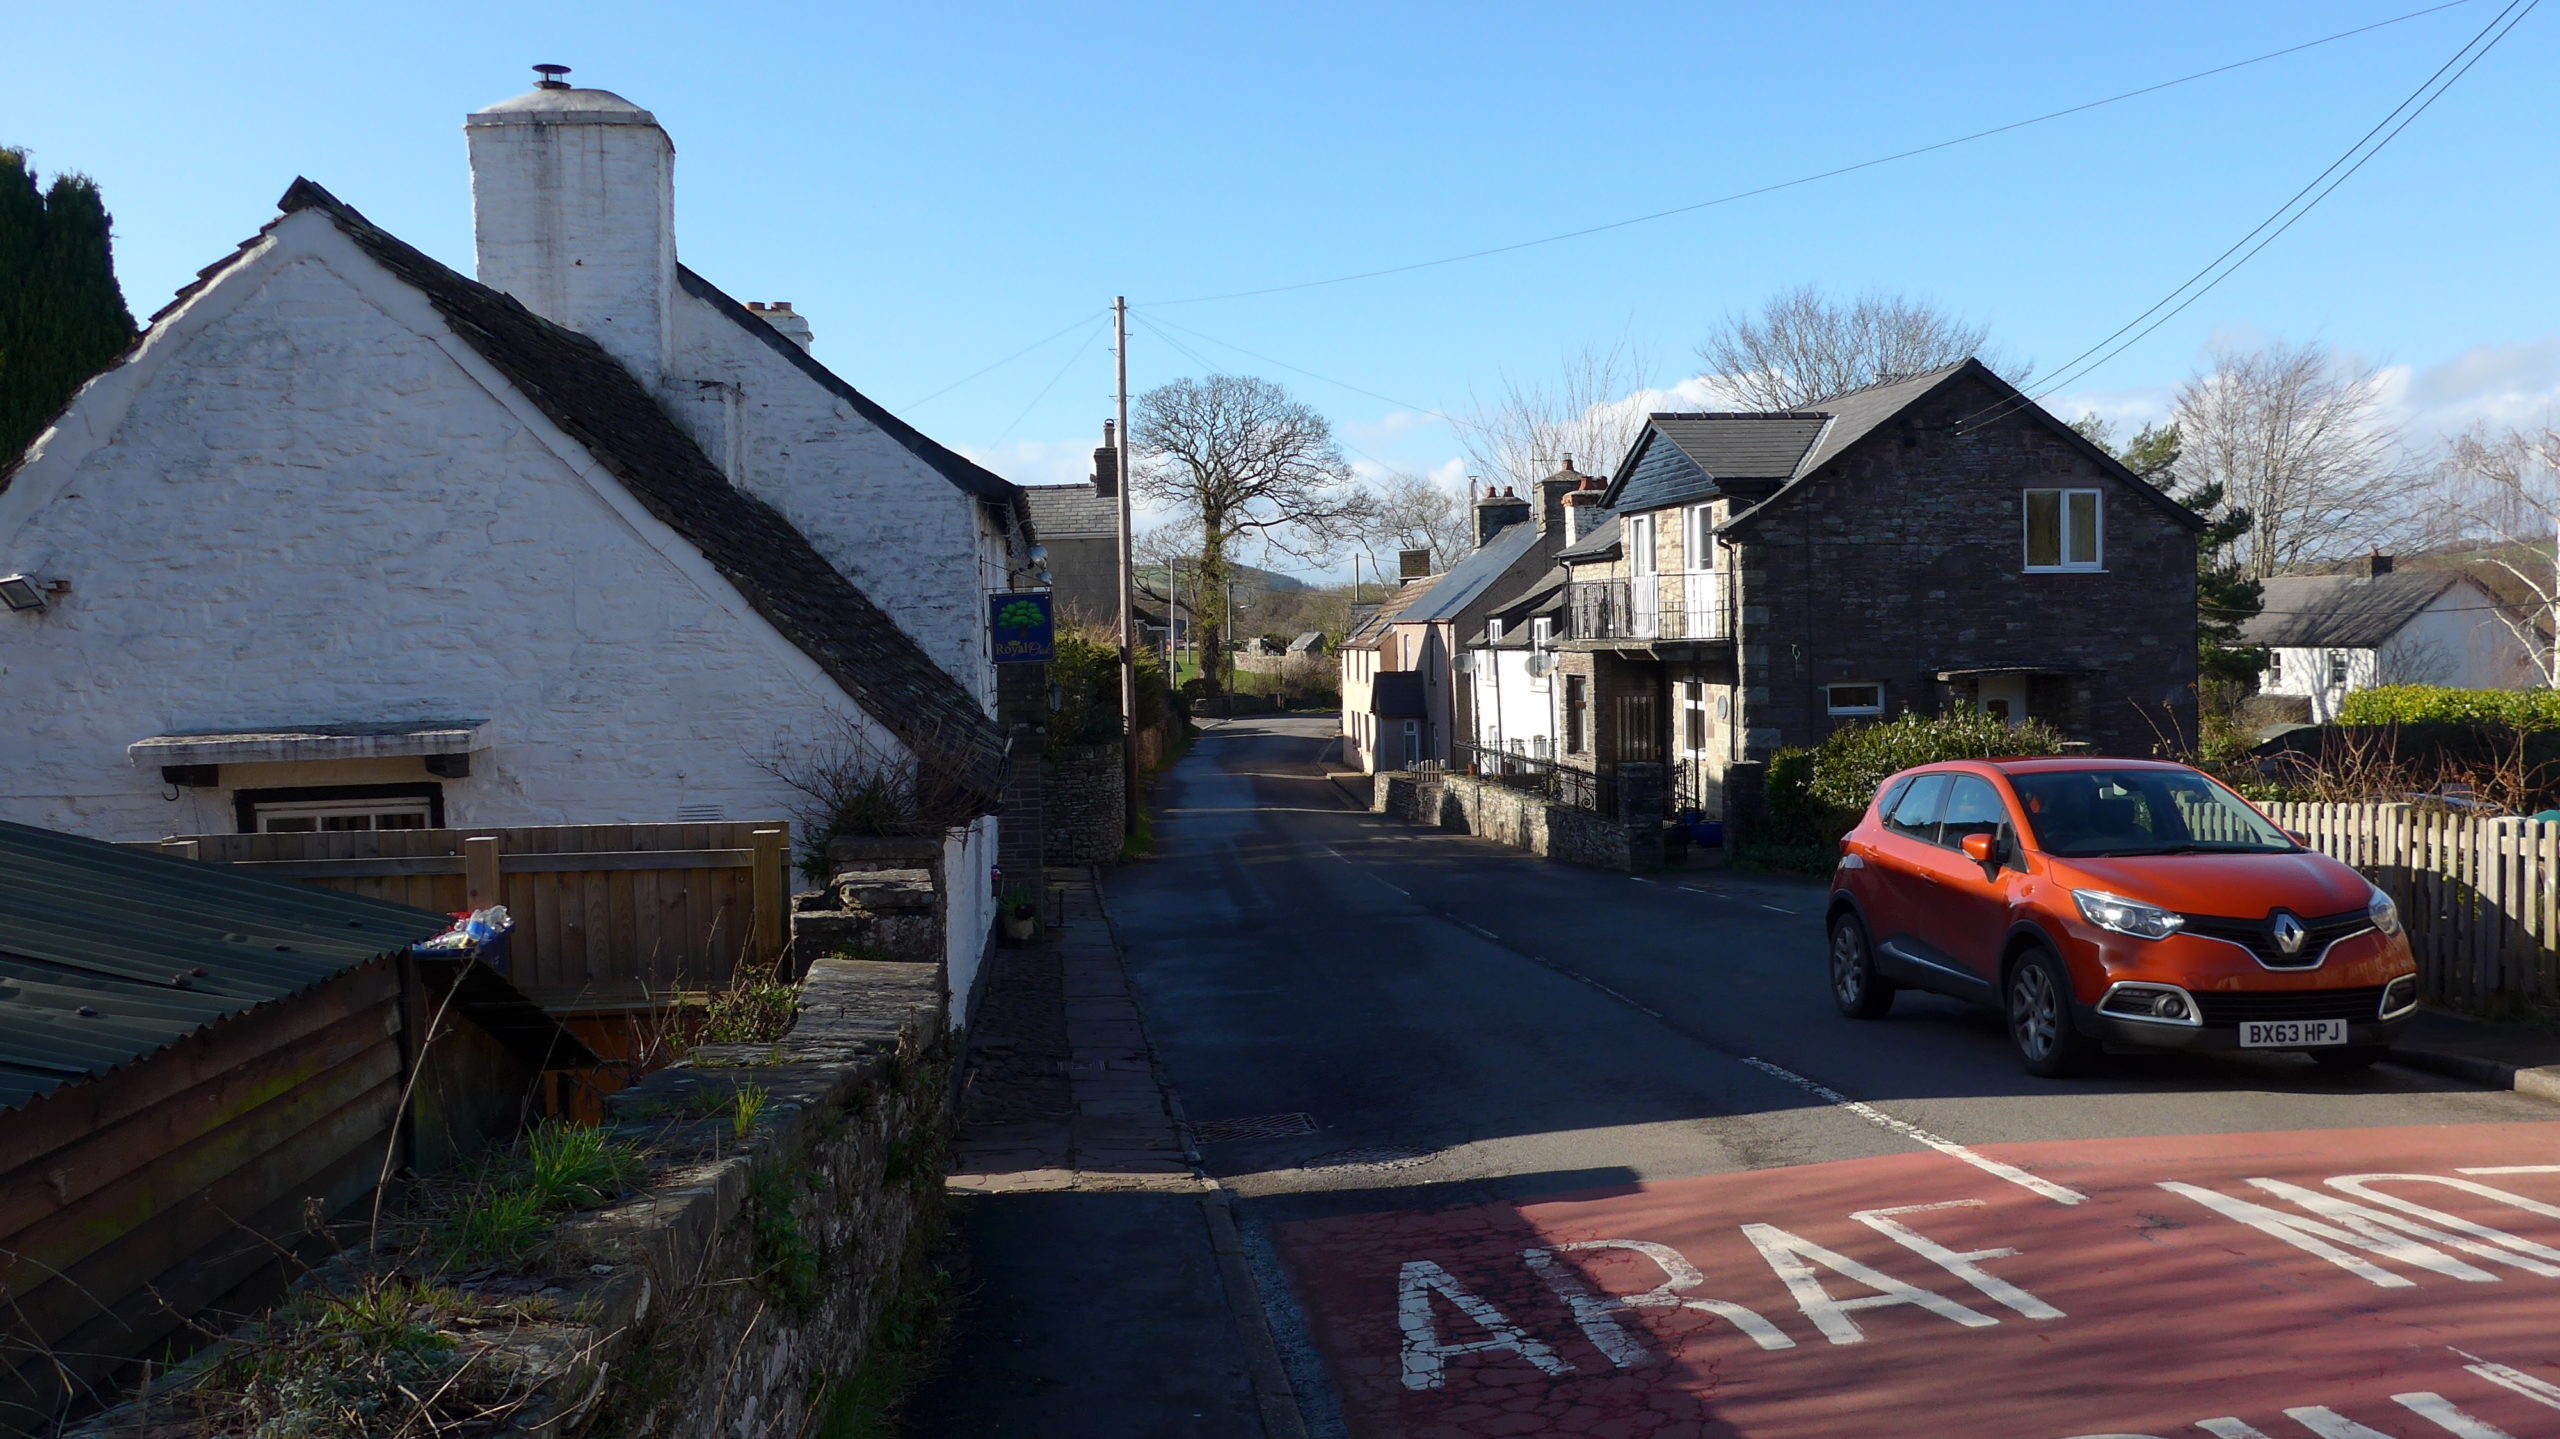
1090	337
1833	173
1062	330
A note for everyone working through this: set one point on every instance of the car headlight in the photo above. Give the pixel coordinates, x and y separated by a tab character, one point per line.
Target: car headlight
2384	914
2127	916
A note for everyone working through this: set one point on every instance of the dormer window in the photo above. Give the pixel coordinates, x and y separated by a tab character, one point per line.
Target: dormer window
1542	634
1493	632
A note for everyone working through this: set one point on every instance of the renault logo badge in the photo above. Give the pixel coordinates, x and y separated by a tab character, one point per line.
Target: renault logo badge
2289	933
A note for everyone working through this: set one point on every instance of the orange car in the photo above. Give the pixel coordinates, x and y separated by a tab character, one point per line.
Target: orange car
2113	904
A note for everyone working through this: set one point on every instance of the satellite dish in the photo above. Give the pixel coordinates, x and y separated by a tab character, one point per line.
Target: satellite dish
1541	665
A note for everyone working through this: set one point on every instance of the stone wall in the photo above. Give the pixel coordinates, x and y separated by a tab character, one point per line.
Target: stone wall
1497	812
1082	803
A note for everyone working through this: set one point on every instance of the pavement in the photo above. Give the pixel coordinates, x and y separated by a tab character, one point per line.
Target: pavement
1521	1148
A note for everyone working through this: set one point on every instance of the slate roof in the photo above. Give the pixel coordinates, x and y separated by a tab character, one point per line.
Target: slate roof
969	476
1468	579
1071	511
1391	611
109	955
588	393
1683	457
2344	612
1542	596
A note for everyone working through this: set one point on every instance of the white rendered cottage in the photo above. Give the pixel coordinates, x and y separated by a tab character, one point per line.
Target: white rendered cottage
350	540
2328	636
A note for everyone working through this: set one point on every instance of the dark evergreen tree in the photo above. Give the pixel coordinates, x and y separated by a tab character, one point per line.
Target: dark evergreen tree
62	318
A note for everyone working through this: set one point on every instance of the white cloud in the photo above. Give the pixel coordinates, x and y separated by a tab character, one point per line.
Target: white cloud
2498	384
1036	462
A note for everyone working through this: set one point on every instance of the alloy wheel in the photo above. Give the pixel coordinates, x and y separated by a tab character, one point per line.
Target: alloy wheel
1848	966
2035	1011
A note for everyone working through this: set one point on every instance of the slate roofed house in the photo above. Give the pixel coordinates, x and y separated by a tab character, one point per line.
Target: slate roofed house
1928	543
1382	698
1079	526
351	540
194	1062
2328	636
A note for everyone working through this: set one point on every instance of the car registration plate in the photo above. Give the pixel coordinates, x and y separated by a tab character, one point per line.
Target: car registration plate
2291	1033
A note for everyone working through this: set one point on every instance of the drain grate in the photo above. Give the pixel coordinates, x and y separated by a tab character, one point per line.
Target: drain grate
1259	1126
1376	1156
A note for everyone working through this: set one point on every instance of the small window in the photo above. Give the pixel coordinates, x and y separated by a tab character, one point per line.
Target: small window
1915	811
2275	667
1493	632
2337	671
1854	699
1542	634
1639	537
1577	714
2064	530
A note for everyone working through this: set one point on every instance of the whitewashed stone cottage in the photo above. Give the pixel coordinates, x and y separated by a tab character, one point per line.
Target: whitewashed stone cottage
348	540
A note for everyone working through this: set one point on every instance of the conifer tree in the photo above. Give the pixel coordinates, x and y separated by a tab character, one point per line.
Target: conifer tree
62	318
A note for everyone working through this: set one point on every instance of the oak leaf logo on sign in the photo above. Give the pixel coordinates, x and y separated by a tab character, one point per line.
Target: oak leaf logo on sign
1020	615
2289	933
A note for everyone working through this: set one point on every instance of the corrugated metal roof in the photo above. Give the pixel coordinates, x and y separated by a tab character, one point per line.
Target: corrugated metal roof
108	955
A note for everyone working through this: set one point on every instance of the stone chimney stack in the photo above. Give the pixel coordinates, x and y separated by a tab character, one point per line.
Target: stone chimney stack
779	314
2371	567
1496	513
1581	509
1106	463
1412	565
1551	493
573	202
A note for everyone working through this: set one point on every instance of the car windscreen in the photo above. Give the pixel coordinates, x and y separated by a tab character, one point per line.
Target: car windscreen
2093	812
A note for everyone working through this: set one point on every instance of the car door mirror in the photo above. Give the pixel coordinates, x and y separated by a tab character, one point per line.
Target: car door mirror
2298	837
1982	848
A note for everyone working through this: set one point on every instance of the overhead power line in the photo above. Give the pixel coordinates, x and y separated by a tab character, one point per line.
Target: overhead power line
1056	334
1800	180
2196	286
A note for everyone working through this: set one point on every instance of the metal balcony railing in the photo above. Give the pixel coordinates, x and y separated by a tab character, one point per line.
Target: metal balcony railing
1558	783
1652	607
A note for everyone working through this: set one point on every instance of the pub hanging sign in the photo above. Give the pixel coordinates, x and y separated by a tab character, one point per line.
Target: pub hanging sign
1024	628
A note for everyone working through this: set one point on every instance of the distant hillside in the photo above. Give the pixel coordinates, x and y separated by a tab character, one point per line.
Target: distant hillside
1248	580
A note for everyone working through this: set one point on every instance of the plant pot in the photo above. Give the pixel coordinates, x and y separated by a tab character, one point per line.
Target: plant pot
1020	927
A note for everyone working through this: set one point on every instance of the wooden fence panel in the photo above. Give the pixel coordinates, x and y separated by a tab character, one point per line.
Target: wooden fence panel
604	914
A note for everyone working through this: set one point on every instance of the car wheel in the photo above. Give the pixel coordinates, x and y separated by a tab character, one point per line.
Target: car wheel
2360	1056
2038	1005
1860	992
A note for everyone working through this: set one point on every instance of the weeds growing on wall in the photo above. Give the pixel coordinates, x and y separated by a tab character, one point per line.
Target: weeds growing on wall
758	1007
509	1202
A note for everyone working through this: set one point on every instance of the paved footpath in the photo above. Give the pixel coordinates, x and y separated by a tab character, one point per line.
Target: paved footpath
1525	1149
1107	1296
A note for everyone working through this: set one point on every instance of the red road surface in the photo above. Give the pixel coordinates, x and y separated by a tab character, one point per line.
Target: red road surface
2142	1311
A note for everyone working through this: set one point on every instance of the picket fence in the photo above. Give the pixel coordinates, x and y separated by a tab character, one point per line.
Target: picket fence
2480	896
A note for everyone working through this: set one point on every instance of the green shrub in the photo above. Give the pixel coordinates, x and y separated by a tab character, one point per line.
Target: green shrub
2433	704
1852	762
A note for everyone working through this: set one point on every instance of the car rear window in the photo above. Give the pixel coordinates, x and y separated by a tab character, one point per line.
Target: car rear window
2116	812
1916	813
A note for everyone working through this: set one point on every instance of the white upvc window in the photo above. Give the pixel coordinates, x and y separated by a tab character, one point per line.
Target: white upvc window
1640	556
1698	538
2065	530
1854	700
1542	633
1493	632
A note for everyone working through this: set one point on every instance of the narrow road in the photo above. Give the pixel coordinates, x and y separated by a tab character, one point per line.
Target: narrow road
1523	1148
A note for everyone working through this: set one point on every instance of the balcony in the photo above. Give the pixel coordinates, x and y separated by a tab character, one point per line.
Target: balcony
1648	609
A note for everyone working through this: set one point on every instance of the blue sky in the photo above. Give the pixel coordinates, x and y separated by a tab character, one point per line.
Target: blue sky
937	187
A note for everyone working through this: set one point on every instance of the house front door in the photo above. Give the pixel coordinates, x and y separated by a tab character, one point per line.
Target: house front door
2003	697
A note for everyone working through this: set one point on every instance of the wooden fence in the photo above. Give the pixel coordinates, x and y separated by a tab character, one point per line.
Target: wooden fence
2480	896
606	915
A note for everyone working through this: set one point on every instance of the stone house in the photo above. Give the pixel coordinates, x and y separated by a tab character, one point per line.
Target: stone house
348	540
1079	528
2328	636
1926	544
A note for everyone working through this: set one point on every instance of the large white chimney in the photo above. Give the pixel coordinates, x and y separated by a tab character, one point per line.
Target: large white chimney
573	198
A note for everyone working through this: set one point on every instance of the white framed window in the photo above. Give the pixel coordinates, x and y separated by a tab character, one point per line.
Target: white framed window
1698	538
2065	530
1493	632
2337	670
339	816
1854	700
1640	556
2275	667
1542	633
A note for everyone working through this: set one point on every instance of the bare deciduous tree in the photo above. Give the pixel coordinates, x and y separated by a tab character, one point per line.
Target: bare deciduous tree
2504	488
1804	347
1589	412
2295	435
1238	459
1408	512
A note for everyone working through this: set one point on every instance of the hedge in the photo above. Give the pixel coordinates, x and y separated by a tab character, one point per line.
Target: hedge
2433	704
1815	795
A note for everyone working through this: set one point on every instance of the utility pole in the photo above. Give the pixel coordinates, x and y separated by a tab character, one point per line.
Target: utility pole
1128	578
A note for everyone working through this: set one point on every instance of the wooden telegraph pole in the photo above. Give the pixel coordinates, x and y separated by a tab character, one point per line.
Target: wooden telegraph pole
1128	579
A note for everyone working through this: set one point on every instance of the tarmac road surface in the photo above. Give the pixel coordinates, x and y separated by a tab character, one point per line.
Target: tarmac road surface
1527	1149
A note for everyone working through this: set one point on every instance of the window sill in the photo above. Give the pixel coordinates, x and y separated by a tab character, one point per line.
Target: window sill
2066	569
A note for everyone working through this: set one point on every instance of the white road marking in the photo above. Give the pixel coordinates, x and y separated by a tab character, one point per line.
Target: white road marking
2059	1194
2540	1391
2512	1169
1400	889
1640	879
1645	1010
1480	929
1781	911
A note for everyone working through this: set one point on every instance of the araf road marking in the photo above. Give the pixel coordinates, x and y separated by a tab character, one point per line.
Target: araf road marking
1787	1254
2059	1194
1426	1353
2540	1391
1964	1266
2385	1234
1597	1313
